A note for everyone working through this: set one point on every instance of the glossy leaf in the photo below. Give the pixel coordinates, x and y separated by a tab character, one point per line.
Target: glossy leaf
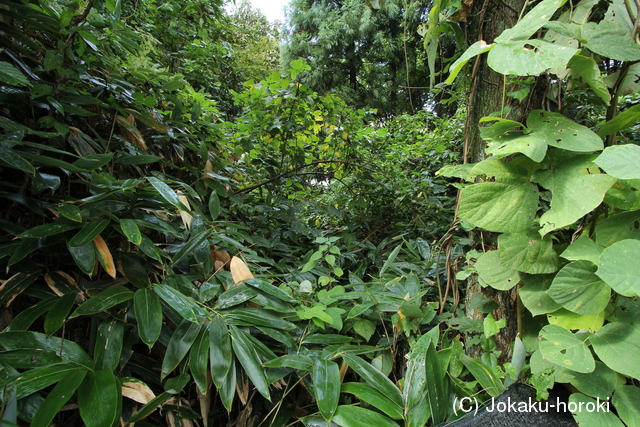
104	256
373	397
148	310
131	230
268	288
150	407
254	316
214	206
199	359
58	313
23	340
185	306
16	284
375	378
189	247
57	398
108	346
166	192
39	378
326	385
104	301
98	397
181	341
220	353
485	375
355	416
85	257
248	357
89	232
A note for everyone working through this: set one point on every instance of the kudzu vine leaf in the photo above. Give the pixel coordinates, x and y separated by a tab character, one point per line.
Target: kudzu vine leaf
599	383
527	252
563	348
627	403
574	191
621	161
618	345
593	418
610	40
559	131
619	269
588	71
577	288
499	207
618	227
494	274
534	294
583	248
624	194
531	22
570	320
528	57
475	49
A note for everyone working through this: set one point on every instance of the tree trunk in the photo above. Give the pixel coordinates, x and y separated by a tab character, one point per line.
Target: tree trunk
487	95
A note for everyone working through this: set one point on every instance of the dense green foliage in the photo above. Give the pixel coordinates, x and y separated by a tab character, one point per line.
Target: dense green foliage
190	237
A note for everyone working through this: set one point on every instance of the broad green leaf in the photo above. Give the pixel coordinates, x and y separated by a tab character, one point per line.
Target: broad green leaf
618	345
326	385
373	397
612	160
503	145
559	131
39	378
475	49
189	247
626	400
267	287
186	307
563	348
572	321
10	157
181	341
617	267
57	398
248	357
199	359
85	257
575	192
617	228
621	161
577	288
28	359
12	76
25	318
256	316
498	206
365	328
534	294
355	416
148	311
58	313
103	301
600	383
167	193
220	353
535	19
494	274
527	252
375	378
214	206
108	347
227	389
610	40
98	397
624	194
295	361
587	69
528	57
484	374
89	232
583	248
591	412
236	295
70	211
48	230
131	230
23	340
390	260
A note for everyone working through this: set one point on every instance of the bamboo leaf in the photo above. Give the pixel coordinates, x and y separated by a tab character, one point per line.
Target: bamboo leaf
98	397
248	357
108	347
186	307
89	232
181	341
199	359
148	310
104	301
131	230
57	398
326	385
220	353
189	247
58	313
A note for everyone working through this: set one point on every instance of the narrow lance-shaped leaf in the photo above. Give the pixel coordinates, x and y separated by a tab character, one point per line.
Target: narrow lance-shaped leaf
131	230
58	313
89	232
98	397
250	360
181	341
104	301
104	256
175	299
220	353
108	347
326	384
57	398
148	310
199	359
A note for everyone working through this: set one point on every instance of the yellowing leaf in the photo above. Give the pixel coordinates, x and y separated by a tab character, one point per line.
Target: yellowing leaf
239	270
134	135
104	256
186	216
137	391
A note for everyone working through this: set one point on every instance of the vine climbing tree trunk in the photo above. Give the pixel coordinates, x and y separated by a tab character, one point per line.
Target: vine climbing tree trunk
487	96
